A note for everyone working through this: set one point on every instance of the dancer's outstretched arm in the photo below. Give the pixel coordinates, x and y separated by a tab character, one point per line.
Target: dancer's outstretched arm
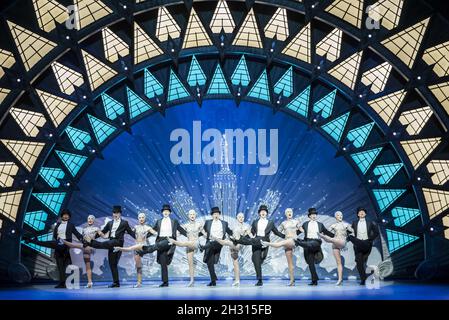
151	232
77	234
277	232
349	229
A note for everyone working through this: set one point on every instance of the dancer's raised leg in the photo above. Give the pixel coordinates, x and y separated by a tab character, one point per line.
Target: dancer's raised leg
73	245
288	243
340	243
186	244
135	247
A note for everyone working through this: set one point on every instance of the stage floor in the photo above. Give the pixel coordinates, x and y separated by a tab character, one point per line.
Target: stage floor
272	289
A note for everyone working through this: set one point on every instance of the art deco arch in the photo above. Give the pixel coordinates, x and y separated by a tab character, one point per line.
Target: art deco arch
379	95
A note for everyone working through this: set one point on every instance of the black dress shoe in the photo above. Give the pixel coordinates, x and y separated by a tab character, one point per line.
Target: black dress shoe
114	285
212	284
163	284
313	283
61	286
259	283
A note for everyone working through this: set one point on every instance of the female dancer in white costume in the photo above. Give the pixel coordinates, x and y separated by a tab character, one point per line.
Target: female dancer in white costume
241	230
340	229
142	231
194	230
289	227
89	232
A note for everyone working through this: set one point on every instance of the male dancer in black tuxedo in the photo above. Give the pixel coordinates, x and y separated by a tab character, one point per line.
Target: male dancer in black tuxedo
365	232
64	230
116	228
312	243
166	227
260	229
215	229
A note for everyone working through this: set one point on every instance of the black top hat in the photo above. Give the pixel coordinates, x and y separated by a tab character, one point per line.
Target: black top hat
312	211
166	207
66	211
263	207
215	209
117	209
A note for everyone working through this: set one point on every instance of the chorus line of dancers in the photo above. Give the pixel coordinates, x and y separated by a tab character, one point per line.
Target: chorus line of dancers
217	233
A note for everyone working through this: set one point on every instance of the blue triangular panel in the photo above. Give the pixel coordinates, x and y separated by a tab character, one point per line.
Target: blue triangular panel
43	250
102	130
386	197
218	83
325	105
176	89
112	107
285	84
359	135
365	159
73	162
52	201
36	219
386	172
240	76
52	176
300	104
336	127
397	240
152	87
260	89
404	215
136	104
196	75
77	137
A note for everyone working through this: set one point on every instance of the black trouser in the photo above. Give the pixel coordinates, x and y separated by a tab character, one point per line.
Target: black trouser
163	246
113	257
259	253
211	257
362	250
62	256
311	248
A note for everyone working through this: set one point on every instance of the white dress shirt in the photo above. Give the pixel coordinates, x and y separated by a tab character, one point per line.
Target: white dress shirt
362	230
261	226
166	230
115	226
312	230
216	229
62	229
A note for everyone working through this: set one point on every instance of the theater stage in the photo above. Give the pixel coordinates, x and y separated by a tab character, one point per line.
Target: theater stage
272	289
